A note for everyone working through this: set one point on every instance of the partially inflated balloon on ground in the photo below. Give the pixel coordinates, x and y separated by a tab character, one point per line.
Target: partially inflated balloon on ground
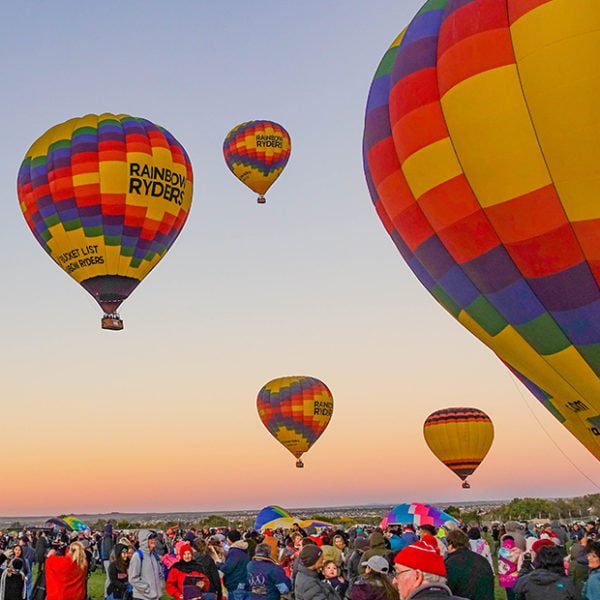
295	411
460	438
482	159
106	196
256	152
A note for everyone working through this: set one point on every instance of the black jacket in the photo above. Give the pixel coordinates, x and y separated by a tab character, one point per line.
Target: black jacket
433	591
545	585
470	575
309	586
209	568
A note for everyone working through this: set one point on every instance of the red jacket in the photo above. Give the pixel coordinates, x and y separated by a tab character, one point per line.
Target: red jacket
176	580
64	579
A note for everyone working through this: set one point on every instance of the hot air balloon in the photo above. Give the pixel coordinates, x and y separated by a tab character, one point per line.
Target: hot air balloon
106	196
460	438
482	159
416	514
256	152
296	411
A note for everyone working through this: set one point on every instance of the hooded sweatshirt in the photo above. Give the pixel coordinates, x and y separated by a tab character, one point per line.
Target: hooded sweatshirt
377	547
545	585
145	572
235	565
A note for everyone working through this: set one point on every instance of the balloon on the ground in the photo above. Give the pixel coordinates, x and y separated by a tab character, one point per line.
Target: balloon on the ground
256	152
482	159
269	513
295	411
416	514
460	438
106	196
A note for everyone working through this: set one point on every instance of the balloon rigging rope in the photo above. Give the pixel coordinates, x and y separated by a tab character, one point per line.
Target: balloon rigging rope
575	466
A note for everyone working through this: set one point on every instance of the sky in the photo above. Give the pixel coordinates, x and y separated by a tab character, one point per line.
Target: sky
162	416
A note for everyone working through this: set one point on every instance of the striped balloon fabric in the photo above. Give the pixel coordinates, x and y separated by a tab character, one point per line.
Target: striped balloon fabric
416	514
482	159
295	411
459	437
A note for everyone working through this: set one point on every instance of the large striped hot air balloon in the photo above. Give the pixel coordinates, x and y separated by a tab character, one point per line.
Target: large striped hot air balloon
106	196
482	157
295	411
256	152
460	438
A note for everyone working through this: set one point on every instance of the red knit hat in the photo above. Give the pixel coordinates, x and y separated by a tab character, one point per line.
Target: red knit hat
423	557
184	548
431	542
537	546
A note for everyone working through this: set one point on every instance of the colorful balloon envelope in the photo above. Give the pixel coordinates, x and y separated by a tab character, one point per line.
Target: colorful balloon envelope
482	159
268	514
295	411
106	196
460	438
416	514
256	152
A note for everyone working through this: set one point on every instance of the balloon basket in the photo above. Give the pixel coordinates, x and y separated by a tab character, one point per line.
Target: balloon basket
112	322
466	485
299	464
261	200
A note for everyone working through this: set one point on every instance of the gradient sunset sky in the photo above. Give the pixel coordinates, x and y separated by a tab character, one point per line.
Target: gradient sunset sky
162	416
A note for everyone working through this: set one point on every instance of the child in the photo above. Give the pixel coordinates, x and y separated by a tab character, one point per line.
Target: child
12	583
508	559
334	579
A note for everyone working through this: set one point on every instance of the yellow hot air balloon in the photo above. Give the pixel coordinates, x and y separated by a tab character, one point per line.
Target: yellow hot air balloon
460	438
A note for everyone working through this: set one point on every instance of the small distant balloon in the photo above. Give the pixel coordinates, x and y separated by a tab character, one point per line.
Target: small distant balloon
295	411
257	152
106	196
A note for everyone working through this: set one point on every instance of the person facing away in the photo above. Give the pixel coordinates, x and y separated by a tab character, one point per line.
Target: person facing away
207	565
234	567
479	545
118	581
374	584
145	571
66	575
469	574
548	580
377	547
266	579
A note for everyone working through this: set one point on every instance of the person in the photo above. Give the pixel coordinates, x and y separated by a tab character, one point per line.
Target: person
428	534
332	575
266	579
374	584
66	575
480	546
272	542
377	547
591	588
207	565
420	573
508	560
395	541
186	579
361	544
578	565
235	566
13	581
41	547
548	580
408	536
118	582
145	571
308	585
469	574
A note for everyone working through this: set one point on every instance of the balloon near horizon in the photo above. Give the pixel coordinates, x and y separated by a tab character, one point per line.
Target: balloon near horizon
295	411
106	196
482	159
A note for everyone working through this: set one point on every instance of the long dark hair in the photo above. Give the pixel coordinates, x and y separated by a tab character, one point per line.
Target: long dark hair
383	581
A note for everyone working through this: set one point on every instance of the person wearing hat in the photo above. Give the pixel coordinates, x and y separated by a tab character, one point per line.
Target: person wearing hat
117	578
548	580
377	547
420	574
186	578
308	584
266	579
234	568
374	584
469	574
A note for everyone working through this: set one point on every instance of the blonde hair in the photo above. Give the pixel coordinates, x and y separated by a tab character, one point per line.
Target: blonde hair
77	554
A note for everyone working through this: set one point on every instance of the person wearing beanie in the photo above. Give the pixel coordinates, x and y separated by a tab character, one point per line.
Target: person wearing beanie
420	574
186	579
377	547
234	568
308	584
469	574
116	574
266	579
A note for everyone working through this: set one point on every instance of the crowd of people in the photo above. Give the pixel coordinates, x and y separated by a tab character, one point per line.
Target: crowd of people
546	562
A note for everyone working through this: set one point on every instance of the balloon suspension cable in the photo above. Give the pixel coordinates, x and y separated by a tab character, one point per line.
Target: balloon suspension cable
112	322
573	464
299	464
261	200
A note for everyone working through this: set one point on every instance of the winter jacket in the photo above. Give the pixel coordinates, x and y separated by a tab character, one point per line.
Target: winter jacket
377	547
266	579
64	579
433	591
545	585
309	586
178	578
234	568
469	575
145	571
209	568
41	547
12	585
107	545
591	588
396	543
367	589
118	581
578	566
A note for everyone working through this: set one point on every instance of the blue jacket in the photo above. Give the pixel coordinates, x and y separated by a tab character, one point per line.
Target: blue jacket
234	568
591	588
396	543
266	580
